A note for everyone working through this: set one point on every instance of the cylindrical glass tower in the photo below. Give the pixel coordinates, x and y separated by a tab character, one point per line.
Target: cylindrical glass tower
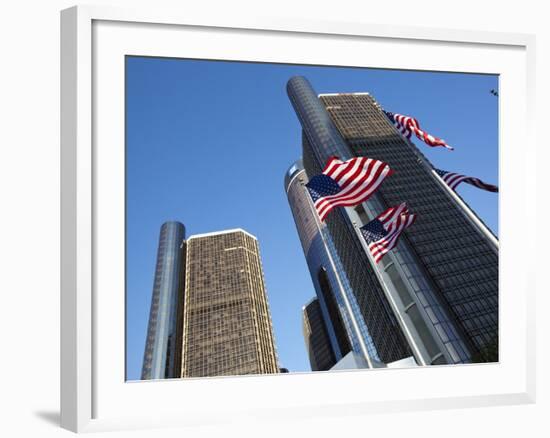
160	359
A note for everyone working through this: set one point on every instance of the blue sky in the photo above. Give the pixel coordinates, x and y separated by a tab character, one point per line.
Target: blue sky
208	143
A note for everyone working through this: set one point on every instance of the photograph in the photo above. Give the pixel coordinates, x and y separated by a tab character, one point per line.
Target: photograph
275	219
287	218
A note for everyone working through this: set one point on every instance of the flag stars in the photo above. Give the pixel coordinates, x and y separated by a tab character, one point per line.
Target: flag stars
373	231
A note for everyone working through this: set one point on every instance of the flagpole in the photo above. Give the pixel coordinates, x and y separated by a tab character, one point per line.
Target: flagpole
404	327
468	211
349	309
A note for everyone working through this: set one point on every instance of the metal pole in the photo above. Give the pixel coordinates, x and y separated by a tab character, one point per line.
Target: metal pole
468	212
354	323
385	288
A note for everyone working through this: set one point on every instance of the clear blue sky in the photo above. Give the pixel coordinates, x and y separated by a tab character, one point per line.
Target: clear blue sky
208	144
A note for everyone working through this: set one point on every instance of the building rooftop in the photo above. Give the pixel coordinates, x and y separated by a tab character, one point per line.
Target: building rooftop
215	233
344	94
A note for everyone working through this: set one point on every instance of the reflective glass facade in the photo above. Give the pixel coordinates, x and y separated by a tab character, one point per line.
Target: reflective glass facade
319	349
160	358
444	272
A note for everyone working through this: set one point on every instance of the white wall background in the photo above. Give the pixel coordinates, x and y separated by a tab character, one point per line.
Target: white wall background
29	216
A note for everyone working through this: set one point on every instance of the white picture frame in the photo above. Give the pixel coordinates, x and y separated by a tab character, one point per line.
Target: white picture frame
94	395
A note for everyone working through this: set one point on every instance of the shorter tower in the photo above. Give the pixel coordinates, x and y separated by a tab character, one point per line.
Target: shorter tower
319	350
162	355
227	326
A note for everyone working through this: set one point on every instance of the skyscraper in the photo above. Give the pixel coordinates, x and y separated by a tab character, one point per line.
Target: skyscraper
227	326
319	350
436	294
162	354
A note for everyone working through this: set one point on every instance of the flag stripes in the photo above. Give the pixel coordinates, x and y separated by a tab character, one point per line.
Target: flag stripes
346	183
408	125
382	233
454	179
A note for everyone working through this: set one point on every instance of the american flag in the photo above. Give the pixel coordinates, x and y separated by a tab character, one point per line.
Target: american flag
382	233
454	179
346	183
408	125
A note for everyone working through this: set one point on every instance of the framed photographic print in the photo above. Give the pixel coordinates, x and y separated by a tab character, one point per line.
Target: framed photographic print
281	218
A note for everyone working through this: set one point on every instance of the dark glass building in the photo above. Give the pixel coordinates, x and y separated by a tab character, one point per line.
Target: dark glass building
162	356
435	296
319	349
